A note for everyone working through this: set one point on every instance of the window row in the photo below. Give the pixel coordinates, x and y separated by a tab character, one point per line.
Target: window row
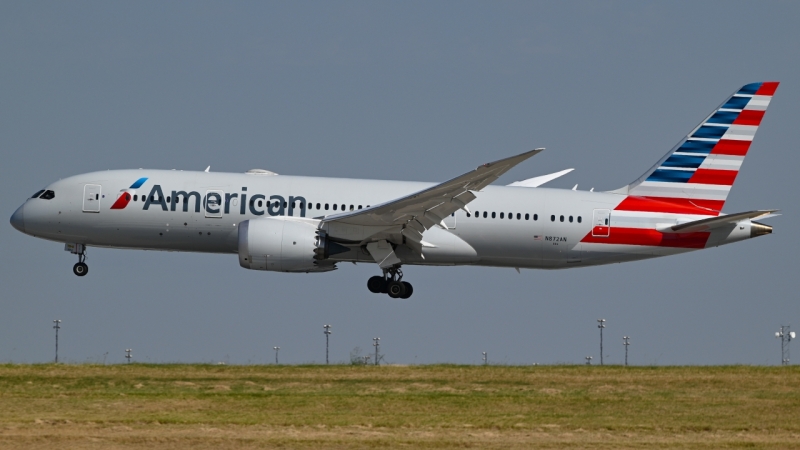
259	203
561	218
519	216
493	215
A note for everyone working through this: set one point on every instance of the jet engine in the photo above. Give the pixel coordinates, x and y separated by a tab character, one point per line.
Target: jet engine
285	244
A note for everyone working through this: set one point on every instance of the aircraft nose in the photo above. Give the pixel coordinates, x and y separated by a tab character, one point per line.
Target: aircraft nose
18	219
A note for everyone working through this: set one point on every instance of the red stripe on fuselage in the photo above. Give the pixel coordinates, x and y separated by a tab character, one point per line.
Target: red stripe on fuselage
650	237
714	176
729	147
671	205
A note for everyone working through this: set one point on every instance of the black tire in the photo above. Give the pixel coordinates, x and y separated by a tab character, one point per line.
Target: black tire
409	290
80	269
396	289
376	284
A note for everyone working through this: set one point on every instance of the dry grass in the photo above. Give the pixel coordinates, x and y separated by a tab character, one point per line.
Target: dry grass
203	406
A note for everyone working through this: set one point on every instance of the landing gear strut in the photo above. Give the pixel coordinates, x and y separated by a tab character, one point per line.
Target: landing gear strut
80	268
391	283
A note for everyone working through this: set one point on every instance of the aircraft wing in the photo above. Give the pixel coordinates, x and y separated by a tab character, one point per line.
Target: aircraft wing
715	222
417	212
540	180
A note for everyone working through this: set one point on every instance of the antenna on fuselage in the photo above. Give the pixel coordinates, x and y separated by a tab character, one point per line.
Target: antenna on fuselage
207	169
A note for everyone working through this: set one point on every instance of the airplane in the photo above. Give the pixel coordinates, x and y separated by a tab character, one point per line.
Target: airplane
310	224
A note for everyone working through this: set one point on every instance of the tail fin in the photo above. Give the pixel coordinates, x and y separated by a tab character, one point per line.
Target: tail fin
700	170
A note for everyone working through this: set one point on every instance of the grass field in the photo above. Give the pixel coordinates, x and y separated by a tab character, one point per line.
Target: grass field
205	406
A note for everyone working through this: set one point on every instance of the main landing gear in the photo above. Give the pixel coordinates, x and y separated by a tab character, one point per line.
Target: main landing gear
80	268
391	283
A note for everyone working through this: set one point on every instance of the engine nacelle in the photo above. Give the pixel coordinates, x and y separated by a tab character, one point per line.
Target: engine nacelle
281	244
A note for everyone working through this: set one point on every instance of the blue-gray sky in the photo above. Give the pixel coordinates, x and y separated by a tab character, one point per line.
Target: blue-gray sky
397	90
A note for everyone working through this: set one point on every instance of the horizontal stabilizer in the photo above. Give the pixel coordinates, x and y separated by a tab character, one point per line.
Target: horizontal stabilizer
715	222
538	181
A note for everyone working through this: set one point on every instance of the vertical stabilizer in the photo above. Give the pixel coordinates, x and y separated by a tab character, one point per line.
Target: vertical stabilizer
700	170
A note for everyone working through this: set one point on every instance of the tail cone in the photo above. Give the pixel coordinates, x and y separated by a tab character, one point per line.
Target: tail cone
759	229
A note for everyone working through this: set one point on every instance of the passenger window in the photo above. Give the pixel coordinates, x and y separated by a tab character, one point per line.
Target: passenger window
501	215
168	200
468	215
579	219
527	216
259	203
343	207
97	196
552	218
335	206
606	221
570	219
294	205
535	217
561	218
135	198
493	215
326	206
510	216
359	206
352	207
519	216
285	204
38	193
318	206
484	214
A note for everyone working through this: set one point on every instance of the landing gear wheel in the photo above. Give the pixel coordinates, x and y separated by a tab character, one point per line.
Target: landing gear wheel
376	285
396	289
80	269
409	290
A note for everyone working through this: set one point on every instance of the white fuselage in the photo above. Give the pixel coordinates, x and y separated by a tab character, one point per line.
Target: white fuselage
508	226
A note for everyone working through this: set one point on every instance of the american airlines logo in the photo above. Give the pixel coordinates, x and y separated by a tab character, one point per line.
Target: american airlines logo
216	202
127	194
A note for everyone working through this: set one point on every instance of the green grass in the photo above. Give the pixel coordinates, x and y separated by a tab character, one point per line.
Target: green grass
442	406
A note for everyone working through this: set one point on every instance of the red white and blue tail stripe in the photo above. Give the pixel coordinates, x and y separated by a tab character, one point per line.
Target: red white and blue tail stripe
698	172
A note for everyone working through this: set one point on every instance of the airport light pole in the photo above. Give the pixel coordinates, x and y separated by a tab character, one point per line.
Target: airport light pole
128	354
786	337
276	353
57	326
588	360
485	358
626	341
601	323
377	344
327	335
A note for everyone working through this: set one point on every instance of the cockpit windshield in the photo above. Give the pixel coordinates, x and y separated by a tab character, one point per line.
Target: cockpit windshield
38	193
48	195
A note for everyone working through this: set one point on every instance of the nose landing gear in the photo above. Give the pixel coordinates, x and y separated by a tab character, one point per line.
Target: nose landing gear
391	283
80	268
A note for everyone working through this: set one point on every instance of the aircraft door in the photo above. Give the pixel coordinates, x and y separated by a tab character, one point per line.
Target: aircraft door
91	198
213	203
601	224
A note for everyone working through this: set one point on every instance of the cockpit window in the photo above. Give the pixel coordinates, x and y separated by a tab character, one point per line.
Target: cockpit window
48	195
38	193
